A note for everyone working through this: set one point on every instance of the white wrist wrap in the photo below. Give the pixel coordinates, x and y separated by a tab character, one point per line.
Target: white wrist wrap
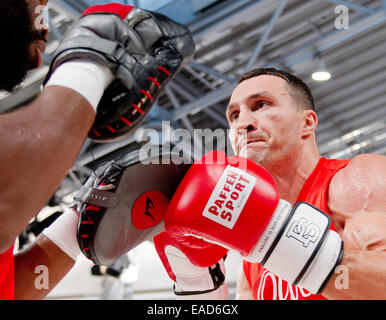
298	246
271	232
323	264
63	233
88	78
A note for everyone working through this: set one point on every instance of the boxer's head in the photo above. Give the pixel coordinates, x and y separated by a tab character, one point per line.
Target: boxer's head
272	116
23	40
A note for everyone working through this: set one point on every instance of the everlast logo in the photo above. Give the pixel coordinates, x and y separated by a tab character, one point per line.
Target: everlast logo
149	205
229	196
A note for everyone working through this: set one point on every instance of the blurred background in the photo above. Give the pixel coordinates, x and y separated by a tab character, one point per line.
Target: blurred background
337	47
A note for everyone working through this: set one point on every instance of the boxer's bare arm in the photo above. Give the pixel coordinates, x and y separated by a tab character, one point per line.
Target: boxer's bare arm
38	145
243	289
357	199
39	269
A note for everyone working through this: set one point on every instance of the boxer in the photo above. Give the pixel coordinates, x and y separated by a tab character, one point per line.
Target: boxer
283	141
100	84
301	215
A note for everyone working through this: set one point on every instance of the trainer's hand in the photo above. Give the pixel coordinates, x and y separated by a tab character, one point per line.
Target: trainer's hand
182	265
142	49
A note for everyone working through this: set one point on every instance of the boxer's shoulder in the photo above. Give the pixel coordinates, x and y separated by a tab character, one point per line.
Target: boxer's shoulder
365	172
359	187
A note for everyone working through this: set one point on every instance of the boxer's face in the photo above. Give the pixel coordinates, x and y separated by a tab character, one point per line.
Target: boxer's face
39	33
264	120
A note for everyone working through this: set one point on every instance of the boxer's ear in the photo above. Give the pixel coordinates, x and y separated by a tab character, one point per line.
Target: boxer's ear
309	123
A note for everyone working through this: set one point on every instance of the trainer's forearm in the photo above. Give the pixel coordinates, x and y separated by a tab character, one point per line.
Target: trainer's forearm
39	269
361	275
39	144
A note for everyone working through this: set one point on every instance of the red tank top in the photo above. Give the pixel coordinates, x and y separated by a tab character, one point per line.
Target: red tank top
264	284
7	275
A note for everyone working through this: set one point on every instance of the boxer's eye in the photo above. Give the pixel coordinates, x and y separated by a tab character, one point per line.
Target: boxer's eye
233	115
258	105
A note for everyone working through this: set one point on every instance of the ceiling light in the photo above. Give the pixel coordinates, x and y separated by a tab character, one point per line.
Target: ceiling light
321	76
321	73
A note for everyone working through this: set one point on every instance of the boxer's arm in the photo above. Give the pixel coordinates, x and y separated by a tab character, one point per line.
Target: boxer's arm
357	201
39	144
243	289
39	269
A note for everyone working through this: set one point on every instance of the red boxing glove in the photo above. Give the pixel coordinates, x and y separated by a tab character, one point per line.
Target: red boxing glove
181	263
214	193
240	209
117	8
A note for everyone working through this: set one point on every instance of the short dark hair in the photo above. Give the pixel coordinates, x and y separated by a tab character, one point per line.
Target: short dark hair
16	36
298	89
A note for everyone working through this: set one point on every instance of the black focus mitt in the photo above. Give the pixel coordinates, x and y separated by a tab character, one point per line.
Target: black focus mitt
143	49
124	201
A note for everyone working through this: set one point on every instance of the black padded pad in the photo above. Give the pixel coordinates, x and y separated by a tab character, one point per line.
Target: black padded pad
106	228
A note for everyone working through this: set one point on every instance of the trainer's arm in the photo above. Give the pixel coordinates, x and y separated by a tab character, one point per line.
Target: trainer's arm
357	200
39	144
39	269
